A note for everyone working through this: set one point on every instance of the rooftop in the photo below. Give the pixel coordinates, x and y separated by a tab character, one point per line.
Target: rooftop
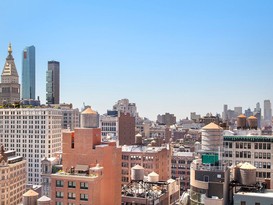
76	175
268	193
140	148
212	126
251	138
44	198
30	193
183	154
89	111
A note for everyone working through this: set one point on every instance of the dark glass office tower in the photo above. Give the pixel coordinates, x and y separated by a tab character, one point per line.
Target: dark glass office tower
28	73
53	83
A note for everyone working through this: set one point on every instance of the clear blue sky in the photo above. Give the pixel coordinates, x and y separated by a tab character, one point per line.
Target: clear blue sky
166	56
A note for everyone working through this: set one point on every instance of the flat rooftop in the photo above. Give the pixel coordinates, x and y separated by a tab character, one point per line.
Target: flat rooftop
183	154
268	194
140	148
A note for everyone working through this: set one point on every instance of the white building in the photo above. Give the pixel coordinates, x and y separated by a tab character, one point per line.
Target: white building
34	133
256	150
124	106
109	126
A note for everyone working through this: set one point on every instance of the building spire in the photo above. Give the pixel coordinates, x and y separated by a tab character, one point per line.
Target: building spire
10	49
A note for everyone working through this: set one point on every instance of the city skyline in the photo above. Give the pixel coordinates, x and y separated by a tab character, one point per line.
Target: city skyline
177	57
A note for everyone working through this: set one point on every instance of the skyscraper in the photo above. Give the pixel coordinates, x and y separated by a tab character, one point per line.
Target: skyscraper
28	73
53	83
267	113
224	114
9	86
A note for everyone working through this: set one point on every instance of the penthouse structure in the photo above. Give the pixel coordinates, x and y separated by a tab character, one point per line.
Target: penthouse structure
13	177
33	133
91	169
155	159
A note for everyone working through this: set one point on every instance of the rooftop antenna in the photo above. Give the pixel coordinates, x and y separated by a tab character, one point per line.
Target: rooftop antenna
83	106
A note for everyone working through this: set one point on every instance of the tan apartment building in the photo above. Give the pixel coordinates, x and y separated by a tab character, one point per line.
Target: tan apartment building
155	159
12	177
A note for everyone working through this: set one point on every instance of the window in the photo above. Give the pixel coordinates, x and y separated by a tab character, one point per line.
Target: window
84	197
268	146
59	203
84	185
59	194
59	183
256	203
243	203
71	184
71	195
206	178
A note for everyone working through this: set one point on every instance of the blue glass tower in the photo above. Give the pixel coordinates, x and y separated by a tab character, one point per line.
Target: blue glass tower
28	73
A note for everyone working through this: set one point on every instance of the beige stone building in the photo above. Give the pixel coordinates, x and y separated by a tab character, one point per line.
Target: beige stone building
12	177
9	86
155	159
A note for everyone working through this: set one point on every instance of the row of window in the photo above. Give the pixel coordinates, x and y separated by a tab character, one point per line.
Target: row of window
137	157
60	194
71	184
247	145
247	154
180	161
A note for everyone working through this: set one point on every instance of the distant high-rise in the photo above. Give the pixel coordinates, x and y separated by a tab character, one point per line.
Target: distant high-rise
9	86
166	119
53	83
267	112
238	110
28	73
224	114
257	113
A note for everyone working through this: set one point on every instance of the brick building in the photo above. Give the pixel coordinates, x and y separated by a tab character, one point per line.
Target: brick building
82	151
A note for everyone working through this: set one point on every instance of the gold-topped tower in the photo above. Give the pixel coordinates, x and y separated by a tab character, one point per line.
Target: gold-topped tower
9	86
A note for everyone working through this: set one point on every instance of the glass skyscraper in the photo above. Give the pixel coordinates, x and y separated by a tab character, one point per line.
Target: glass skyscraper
53	83
28	73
